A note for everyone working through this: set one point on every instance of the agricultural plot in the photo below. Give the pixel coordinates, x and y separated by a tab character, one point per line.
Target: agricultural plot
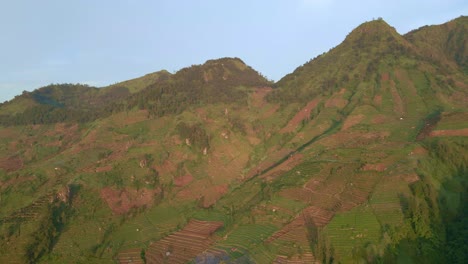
247	236
130	256
353	229
184	245
307	258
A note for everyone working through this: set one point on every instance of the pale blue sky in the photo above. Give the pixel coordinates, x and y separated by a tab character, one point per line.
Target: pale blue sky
100	42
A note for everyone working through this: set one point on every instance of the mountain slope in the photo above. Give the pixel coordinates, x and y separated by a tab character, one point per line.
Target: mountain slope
444	43
359	155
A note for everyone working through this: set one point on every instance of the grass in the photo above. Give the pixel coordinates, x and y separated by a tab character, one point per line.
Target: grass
293	205
247	236
453	121
353	229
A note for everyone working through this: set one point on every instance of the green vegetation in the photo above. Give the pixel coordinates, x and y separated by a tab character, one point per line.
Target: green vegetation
358	156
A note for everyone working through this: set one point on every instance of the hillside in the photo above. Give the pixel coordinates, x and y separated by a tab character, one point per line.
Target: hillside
359	155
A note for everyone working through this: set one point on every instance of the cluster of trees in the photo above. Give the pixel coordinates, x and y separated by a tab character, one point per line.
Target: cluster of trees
214	82
196	134
51	227
436	218
217	81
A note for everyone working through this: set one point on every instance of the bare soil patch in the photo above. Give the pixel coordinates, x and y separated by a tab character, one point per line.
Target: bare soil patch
379	119
410	178
460	98
452	132
303	114
374	167
419	151
104	168
258	97
385	77
336	102
352	121
183	180
398	106
121	201
12	163
378	100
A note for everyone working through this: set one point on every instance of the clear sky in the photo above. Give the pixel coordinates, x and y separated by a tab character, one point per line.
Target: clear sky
100	42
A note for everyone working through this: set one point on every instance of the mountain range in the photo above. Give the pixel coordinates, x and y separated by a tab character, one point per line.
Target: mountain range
358	156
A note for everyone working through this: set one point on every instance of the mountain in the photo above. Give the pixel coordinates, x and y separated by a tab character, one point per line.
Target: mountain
359	155
445	43
160	92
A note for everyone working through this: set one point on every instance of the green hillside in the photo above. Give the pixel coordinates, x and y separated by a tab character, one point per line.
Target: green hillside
358	156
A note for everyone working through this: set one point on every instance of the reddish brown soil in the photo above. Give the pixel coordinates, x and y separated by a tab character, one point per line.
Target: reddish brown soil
170	165
203	190
461	84
398	106
252	136
121	201
62	129
303	114
104	168
221	189
453	133
201	112
378	100
258	97
410	178
378	119
11	163
225	161
419	151
385	77
184	245
336	102
352	121
7	132
183	180
374	167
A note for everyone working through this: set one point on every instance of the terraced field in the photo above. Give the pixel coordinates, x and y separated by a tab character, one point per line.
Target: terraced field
184	245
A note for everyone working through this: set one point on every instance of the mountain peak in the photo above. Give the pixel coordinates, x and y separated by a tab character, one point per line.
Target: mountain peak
223	72
227	61
373	31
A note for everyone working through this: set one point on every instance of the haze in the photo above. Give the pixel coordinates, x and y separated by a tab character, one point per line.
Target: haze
103	42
